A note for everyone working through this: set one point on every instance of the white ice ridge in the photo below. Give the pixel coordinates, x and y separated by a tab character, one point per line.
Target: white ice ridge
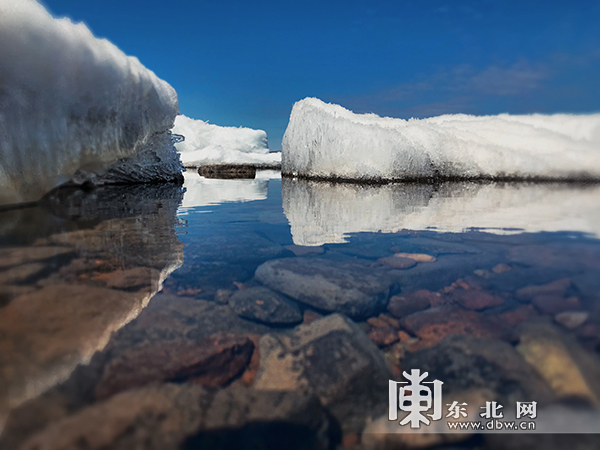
212	144
322	212
328	141
70	102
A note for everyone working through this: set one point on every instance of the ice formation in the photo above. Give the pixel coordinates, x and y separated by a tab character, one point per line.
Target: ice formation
74	105
322	212
211	144
328	141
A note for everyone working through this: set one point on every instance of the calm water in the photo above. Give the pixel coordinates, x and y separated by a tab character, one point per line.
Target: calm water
273	313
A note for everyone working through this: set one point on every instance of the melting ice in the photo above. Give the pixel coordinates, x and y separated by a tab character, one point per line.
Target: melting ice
70	102
328	141
210	144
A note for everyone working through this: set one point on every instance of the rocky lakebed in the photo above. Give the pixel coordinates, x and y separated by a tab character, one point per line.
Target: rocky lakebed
130	320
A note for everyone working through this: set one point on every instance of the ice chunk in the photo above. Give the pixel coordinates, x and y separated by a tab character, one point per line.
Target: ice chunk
328	141
70	102
210	144
323	212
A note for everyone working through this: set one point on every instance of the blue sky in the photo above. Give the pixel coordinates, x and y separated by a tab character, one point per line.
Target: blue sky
243	63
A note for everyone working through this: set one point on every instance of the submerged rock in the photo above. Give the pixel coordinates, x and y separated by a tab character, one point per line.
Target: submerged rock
435	276
14	256
554	304
332	359
165	322
169	317
419	257
555	288
435	324
572	319
397	262
8	292
45	333
561	361
136	278
403	305
264	305
266	419
222	296
524	441
156	417
350	288
522	314
501	268
385	434
174	416
19	274
475	299
467	362
384	336
212	362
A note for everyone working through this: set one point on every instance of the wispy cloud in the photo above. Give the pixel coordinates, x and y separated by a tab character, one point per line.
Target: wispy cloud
456	89
519	87
520	78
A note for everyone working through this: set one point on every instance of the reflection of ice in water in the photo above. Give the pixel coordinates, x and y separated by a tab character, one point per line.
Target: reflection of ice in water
202	191
322	213
49	330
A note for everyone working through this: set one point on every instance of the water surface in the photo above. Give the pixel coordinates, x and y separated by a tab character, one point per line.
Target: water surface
188	306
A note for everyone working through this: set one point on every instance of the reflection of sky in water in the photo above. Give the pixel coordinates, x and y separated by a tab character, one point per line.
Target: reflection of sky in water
231	208
226	242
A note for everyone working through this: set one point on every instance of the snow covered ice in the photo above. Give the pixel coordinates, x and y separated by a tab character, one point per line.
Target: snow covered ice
74	105
328	141
212	144
323	212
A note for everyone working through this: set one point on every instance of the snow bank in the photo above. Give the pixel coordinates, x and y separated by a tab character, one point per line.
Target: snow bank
322	212
327	141
70	102
211	144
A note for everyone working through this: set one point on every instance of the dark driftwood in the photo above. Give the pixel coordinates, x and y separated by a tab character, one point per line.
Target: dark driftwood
227	171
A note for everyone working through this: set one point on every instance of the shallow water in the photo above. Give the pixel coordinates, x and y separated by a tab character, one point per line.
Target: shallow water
146	316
